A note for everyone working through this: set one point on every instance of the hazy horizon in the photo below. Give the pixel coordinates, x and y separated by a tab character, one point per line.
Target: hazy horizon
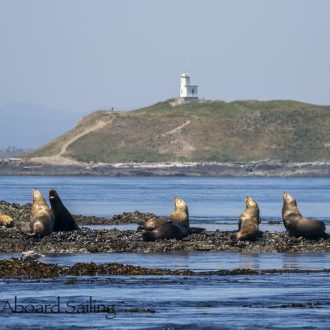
79	56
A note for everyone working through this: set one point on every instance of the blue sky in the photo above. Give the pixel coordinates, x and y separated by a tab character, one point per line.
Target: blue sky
80	56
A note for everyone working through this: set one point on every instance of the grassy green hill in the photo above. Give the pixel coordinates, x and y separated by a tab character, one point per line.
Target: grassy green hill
203	131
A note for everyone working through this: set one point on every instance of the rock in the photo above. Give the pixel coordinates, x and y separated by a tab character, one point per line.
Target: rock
6	221
31	255
34	269
20	213
89	240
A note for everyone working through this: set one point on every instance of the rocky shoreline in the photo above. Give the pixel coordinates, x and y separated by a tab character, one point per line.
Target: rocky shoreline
93	241
34	269
266	168
86	240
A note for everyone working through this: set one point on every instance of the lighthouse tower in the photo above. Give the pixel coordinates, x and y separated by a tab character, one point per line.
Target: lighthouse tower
187	92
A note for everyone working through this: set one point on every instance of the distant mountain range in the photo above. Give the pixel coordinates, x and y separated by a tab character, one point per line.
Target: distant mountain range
28	126
10	152
237	131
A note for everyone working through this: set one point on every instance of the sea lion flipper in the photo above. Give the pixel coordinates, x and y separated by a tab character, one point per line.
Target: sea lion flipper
30	234
140	228
148	236
196	230
325	236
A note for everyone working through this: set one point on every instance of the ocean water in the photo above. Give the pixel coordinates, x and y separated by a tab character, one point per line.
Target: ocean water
295	300
210	198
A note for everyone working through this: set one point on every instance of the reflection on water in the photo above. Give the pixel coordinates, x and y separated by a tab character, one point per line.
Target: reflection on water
196	261
207	225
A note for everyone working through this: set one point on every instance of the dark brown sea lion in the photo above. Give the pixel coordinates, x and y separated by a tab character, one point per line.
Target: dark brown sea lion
63	219
296	224
180	216
248	226
42	219
166	230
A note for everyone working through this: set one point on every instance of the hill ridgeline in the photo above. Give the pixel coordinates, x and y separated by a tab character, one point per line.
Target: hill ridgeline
238	131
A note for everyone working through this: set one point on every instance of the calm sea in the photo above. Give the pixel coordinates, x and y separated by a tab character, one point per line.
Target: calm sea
222	302
207	197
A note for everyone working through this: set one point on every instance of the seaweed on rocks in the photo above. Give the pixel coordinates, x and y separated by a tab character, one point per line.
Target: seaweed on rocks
13	268
89	240
124	218
20	213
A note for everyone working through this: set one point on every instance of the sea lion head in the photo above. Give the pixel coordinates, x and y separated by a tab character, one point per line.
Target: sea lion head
250	202
53	194
180	203
289	199
252	209
54	199
180	215
37	196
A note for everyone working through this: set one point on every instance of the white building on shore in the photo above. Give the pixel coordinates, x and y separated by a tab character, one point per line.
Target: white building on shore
187	92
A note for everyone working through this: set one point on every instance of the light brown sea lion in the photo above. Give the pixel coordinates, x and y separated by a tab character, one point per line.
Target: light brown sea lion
248	226
6	221
296	224
63	219
166	230
42	218
180	216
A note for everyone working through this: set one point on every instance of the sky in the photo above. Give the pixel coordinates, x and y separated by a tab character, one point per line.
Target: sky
81	56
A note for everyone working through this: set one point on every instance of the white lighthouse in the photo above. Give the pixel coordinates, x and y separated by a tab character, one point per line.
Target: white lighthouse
187	92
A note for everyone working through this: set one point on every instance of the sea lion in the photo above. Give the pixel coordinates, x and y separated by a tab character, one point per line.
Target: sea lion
248	226
42	218
6	221
166	230
296	224
180	216
63	219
